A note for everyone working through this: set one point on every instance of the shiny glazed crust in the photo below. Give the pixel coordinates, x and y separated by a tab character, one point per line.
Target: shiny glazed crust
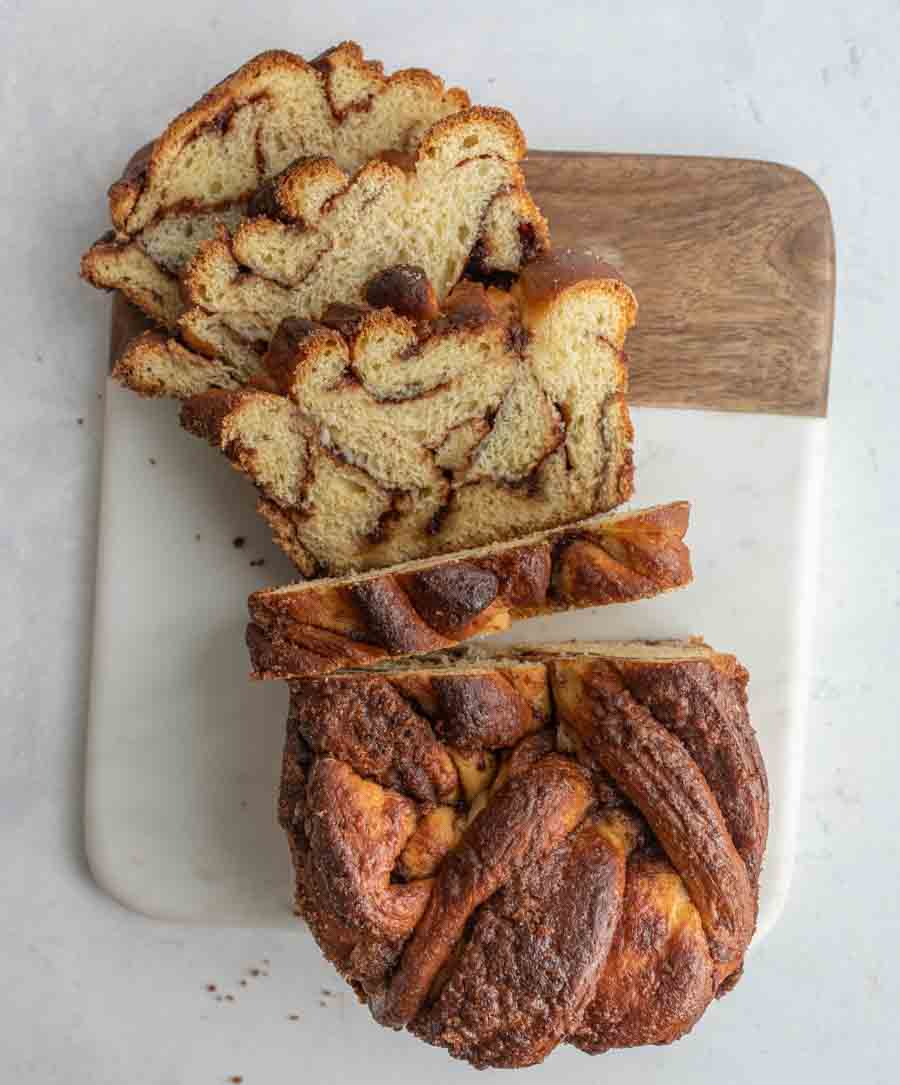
321	626
551	846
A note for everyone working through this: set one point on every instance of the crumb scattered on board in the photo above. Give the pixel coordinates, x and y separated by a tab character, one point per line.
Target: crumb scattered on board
152	462
80	421
238	542
255	971
329	997
257	562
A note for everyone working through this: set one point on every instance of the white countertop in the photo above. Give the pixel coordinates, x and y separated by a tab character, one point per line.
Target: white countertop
93	993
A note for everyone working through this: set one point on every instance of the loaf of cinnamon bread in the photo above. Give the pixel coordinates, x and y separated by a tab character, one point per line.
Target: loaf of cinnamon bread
555	844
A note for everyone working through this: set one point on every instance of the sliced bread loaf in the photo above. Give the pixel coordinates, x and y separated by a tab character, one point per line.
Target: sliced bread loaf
425	606
388	438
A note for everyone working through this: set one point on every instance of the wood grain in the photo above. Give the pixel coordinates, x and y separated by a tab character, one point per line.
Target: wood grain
732	262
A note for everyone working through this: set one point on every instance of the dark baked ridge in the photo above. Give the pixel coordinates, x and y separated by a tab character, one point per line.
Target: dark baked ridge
389	437
202	171
428	605
591	876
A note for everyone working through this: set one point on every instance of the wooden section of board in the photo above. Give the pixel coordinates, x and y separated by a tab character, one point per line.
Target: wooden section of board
732	262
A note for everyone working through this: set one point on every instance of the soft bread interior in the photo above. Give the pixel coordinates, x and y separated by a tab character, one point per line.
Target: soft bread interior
483	659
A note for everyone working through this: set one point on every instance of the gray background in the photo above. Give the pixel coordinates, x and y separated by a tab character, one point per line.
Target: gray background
93	993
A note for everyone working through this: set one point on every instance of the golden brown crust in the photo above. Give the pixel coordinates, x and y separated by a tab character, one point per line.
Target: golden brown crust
482	712
583	887
529	816
114	262
659	948
656	773
606	560
556	272
406	289
355	831
724	748
152	362
536	948
376	732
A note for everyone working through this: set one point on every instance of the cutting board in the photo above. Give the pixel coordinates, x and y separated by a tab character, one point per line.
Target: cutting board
733	265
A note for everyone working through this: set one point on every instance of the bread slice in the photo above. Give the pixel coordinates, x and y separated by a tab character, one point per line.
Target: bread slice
424	606
201	172
316	236
390	438
282	141
504	851
323	234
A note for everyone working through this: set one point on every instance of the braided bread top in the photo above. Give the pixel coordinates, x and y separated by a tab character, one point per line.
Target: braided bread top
502	856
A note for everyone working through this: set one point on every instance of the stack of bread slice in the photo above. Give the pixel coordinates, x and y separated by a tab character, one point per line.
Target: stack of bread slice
358	304
284	189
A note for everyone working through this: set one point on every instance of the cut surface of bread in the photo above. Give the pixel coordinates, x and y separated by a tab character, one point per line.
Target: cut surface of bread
200	174
429	605
323	235
560	844
503	415
338	167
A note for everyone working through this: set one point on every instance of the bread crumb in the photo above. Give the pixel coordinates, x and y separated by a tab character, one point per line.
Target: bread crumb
80	421
238	541
211	987
322	1002
257	562
197	537
229	998
236	1079
293	1017
255	972
152	461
